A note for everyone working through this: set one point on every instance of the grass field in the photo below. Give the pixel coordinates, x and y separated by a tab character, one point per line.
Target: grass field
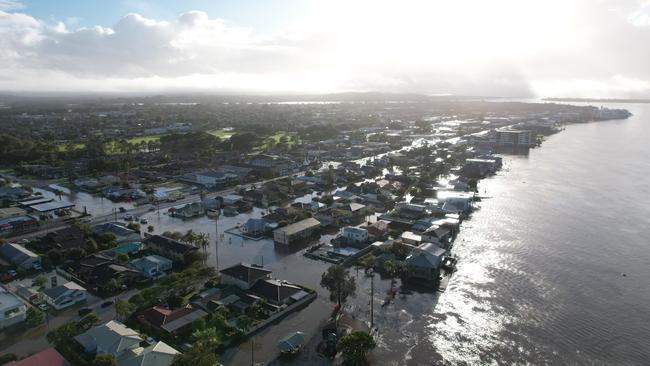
266	142
222	134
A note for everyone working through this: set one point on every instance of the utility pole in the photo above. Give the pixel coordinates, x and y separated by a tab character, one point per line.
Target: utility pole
252	352
372	301
216	238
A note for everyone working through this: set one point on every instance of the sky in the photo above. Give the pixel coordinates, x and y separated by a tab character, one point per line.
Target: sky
510	48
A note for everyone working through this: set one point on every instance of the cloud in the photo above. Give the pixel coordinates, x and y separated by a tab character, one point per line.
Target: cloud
6	5
501	47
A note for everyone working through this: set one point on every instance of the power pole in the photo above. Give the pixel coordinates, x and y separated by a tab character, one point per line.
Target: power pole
216	239
252	352
372	301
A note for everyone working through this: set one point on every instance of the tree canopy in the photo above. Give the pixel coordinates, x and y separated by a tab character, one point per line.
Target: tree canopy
339	282
354	347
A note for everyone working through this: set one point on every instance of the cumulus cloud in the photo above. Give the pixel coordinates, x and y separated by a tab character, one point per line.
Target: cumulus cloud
501	47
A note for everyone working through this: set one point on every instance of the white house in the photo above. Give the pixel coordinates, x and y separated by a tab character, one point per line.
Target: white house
68	294
355	234
153	266
12	310
123	343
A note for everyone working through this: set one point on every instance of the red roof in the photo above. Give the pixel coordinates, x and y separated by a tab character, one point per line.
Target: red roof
49	357
158	316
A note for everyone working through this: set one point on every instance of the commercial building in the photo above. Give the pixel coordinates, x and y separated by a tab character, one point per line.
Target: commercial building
19	256
291	233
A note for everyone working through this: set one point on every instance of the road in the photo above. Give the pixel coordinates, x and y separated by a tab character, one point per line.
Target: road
140	210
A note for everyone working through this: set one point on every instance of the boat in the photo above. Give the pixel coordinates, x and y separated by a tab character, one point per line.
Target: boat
292	343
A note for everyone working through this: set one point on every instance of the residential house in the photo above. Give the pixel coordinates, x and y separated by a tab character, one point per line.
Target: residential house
193	209
152	266
255	227
19	256
355	235
168	247
353	211
122	234
425	262
67	238
63	296
278	292
409	237
291	233
231	297
377	230
123	343
101	274
437	234
174	322
12	309
243	275
47	357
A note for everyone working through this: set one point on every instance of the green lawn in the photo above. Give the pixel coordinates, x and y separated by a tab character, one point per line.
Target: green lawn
137	140
222	134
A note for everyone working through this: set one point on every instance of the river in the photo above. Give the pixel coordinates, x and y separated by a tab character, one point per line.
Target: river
554	268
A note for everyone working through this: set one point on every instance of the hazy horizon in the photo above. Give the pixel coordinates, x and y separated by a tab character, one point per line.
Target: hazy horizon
504	48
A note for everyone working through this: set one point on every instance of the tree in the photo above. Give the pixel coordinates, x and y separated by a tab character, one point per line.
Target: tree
192	257
195	357
40	281
104	360
124	309
367	262
8	357
354	347
35	317
63	334
150	228
339	282
122	258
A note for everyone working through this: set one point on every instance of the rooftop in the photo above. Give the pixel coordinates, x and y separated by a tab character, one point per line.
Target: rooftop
300	226
246	272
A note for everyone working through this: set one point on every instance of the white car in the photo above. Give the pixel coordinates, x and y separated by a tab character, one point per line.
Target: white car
144	221
43	307
128	217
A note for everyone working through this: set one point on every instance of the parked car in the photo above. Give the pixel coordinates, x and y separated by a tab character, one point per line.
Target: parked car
84	311
12	273
150	340
107	303
122	209
144	221
128	217
37	266
43	307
